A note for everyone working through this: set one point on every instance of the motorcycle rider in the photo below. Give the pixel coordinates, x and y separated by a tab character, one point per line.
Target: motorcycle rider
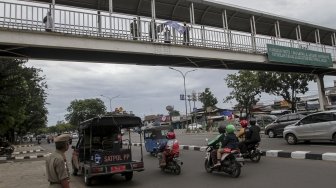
171	148
229	143
241	133
252	136
215	141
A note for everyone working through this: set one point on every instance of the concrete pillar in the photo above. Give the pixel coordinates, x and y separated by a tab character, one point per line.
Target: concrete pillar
321	91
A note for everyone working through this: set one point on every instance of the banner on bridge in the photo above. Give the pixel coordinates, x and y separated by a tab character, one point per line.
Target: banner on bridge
289	55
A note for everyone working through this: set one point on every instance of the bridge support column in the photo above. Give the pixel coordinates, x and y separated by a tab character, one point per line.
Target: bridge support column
110	14
253	34
321	91
277	31
228	37
53	14
152	23
298	33
333	39
99	23
192	19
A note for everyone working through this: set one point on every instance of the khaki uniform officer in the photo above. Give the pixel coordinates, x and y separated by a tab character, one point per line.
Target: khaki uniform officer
56	165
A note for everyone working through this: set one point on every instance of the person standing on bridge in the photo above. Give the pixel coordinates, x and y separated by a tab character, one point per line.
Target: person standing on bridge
166	35
186	34
134	29
48	22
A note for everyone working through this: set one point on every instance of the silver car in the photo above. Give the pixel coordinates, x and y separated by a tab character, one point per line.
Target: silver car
317	126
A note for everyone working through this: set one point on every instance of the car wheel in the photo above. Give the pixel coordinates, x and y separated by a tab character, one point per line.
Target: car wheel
334	138
271	134
291	139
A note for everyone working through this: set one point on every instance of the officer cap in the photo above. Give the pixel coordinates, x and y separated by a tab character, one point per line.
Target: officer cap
62	138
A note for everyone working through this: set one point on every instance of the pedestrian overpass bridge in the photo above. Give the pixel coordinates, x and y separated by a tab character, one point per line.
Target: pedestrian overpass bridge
216	35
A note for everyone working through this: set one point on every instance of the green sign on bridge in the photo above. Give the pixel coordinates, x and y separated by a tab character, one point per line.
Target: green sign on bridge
289	55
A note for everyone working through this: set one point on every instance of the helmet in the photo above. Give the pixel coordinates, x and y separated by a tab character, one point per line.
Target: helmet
243	123
170	135
221	129
230	128
252	121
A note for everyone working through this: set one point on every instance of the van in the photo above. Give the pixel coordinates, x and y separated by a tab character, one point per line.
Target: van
264	119
279	112
316	126
277	127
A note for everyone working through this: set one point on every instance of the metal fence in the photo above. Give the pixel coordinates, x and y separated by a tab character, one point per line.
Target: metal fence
126	27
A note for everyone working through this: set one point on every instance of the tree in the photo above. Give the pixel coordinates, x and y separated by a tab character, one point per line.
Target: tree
208	99
287	85
174	113
80	110
246	90
22	98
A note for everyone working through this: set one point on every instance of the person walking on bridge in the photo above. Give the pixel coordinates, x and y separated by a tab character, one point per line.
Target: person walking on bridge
48	21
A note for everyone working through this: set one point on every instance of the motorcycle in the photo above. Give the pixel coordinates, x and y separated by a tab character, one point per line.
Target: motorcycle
253	153
6	148
231	163
173	164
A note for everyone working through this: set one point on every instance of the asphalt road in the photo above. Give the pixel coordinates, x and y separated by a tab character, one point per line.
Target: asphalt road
270	172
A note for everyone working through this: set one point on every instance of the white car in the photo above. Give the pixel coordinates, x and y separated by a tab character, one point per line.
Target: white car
195	126
74	136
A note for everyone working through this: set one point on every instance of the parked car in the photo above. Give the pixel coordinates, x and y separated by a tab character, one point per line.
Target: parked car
74	136
316	126
264	119
277	127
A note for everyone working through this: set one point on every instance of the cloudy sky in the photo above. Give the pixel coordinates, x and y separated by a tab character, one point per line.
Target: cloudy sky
148	90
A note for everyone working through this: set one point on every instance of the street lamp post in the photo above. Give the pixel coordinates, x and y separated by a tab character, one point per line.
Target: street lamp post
110	98
185	90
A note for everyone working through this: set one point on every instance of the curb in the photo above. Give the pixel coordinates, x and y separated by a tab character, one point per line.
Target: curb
29	151
24	157
301	155
271	153
21	146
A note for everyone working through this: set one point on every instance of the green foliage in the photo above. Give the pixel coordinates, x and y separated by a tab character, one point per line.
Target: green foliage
208	99
245	89
22	98
80	110
174	113
287	85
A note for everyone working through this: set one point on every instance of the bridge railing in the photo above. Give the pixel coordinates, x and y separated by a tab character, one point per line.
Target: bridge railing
126	27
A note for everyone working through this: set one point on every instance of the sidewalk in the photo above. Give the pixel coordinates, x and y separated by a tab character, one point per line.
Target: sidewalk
31	174
26	152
